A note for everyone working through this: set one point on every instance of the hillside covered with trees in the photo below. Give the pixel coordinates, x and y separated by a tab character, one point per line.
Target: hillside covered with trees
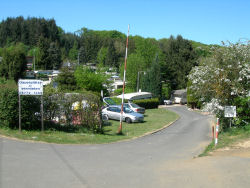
51	45
215	76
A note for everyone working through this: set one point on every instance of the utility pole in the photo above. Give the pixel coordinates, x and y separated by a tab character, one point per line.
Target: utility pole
138	79
34	60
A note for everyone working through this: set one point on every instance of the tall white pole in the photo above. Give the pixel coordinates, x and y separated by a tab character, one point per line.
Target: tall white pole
124	79
137	88
34	60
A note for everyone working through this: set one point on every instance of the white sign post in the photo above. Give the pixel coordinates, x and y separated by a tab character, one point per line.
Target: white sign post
30	87
230	112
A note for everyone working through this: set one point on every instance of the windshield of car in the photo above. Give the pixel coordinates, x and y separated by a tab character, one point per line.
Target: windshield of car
134	105
127	110
109	101
126	105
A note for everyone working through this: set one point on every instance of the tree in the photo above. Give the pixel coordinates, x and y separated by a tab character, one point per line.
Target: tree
221	79
67	42
135	63
180	58
91	43
73	52
102	56
13	64
66	80
152	79
27	30
54	56
111	59
147	48
88	80
82	56
44	61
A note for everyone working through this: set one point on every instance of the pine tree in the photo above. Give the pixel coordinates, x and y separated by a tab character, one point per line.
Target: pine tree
82	56
43	45
152	79
54	56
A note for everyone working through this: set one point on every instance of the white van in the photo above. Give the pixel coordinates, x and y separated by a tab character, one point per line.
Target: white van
136	96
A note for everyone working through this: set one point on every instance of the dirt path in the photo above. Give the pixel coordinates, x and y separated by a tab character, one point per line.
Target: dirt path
228	167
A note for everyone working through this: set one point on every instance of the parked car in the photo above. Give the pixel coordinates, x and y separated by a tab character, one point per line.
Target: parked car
168	102
134	107
114	112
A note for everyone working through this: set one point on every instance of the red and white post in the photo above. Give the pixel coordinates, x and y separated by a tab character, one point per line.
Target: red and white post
123	88
217	132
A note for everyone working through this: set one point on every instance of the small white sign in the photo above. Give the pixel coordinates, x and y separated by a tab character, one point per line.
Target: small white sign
30	87
230	111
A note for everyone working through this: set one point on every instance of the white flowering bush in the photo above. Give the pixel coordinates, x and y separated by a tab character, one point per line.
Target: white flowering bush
221	78
213	106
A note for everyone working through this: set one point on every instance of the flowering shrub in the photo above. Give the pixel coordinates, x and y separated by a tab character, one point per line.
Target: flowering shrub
221	78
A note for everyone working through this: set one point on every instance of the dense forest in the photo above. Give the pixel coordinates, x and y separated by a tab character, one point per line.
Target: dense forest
171	59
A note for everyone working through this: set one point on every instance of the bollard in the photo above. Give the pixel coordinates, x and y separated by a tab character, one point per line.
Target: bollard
213	132
217	132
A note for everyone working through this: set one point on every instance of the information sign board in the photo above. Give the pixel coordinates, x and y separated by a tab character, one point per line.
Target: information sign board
230	111
30	87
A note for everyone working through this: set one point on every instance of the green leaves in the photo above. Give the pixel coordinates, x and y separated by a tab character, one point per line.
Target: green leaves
89	80
180	58
9	109
224	78
66	80
13	64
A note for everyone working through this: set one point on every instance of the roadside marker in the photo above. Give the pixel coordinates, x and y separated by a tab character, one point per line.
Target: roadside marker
213	132
124	79
217	132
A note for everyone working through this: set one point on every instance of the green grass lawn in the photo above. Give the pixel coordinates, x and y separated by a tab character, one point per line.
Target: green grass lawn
154	119
228	138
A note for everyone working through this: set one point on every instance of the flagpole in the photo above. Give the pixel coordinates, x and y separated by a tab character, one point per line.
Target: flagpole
124	79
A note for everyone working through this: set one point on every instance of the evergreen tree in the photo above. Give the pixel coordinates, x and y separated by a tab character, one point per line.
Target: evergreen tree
44	61
180	58
111	59
152	79
82	56
54	56
102	56
66	80
73	52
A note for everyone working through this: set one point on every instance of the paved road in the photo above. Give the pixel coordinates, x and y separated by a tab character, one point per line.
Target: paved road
130	164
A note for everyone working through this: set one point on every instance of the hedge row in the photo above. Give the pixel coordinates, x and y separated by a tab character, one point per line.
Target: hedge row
57	106
9	113
147	103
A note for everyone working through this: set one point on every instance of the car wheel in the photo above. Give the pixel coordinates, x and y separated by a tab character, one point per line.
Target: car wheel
106	117
128	120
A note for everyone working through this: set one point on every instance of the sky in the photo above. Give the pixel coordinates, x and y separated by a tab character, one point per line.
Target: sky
205	21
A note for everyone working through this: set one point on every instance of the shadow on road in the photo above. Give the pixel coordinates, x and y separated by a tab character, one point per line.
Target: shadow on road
72	169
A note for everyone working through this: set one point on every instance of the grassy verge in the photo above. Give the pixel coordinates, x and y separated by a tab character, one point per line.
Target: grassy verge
154	119
228	138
